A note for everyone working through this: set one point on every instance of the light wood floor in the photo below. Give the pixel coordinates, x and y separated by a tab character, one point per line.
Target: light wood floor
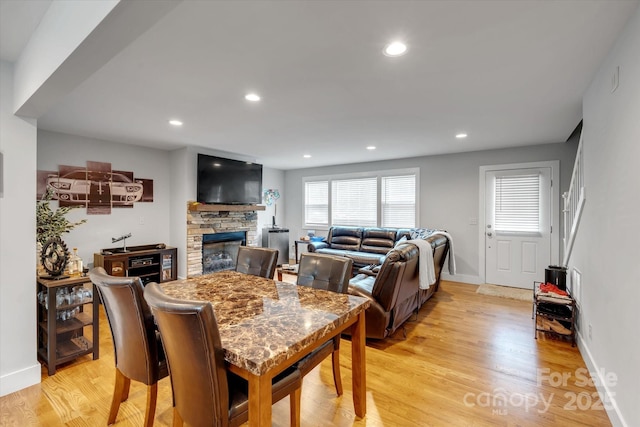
467	360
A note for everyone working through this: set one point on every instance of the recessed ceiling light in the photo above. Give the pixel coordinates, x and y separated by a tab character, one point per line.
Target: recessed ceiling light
371	147
307	156
174	122
253	97
395	49
461	135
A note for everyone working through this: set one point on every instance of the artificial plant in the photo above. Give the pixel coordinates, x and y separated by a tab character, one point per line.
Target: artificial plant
52	223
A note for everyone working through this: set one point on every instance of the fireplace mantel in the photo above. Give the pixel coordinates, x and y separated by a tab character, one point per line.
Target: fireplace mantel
200	207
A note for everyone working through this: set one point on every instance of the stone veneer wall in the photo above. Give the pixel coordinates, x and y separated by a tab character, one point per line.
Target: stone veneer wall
209	222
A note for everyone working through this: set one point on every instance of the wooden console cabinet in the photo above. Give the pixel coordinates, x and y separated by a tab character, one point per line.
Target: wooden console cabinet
151	263
66	308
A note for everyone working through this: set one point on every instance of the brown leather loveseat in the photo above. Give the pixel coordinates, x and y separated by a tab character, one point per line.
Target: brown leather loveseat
394	291
364	245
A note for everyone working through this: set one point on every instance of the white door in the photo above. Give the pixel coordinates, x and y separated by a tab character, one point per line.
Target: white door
517	225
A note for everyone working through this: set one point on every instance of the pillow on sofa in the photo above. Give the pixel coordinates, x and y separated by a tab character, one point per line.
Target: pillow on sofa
421	233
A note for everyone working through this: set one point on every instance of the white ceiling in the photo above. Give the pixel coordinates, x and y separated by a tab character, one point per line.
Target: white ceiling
508	73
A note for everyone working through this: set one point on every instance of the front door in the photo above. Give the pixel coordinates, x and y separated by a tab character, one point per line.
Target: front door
517	225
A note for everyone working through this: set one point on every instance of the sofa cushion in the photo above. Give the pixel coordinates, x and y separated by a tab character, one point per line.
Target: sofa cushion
345	238
359	258
378	240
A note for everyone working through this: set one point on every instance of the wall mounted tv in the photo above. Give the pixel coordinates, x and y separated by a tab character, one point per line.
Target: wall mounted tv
228	182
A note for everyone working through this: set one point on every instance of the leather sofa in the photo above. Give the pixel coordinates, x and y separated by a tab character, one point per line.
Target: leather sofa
364	245
394	291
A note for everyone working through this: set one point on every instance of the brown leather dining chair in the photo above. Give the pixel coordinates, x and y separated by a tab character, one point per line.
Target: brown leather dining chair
331	273
257	261
204	392
138	349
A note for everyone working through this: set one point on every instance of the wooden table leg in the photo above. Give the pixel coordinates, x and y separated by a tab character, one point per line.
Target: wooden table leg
259	400
358	366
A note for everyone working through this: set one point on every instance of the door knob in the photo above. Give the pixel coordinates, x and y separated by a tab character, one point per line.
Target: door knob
489	234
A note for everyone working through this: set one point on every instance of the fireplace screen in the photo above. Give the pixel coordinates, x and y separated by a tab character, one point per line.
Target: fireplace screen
220	251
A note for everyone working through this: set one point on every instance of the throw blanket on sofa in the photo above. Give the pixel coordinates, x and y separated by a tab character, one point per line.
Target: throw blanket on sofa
426	268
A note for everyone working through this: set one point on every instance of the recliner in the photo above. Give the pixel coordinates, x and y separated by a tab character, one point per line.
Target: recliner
204	392
257	261
330	273
394	288
138	350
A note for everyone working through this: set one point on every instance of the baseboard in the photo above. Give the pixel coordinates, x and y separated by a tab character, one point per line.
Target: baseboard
604	392
18	380
463	278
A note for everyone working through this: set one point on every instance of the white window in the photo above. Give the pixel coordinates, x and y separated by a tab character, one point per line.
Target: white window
375	199
517	203
354	202
316	203
398	203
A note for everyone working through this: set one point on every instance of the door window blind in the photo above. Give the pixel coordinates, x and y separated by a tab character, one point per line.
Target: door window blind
517	203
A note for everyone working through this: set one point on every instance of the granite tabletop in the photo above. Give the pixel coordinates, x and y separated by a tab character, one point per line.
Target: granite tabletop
263	322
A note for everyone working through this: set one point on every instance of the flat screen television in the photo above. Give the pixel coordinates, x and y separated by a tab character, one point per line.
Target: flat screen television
228	182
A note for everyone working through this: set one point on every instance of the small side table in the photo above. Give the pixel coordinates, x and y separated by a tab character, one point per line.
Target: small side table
292	269
549	311
304	242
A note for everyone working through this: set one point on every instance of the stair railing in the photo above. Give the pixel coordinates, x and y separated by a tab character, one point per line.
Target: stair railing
573	204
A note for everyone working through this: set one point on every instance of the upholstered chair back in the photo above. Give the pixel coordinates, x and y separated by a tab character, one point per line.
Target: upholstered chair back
136	342
328	272
257	261
196	360
131	324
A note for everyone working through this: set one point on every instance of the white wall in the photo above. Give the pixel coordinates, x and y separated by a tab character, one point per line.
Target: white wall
606	247
19	367
448	192
147	222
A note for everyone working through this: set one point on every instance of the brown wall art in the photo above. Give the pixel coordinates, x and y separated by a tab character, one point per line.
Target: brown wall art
96	187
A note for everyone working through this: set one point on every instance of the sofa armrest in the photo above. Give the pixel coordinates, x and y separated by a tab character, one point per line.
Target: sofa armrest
314	246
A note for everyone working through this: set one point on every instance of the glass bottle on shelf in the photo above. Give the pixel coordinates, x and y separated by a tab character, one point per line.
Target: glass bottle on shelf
75	264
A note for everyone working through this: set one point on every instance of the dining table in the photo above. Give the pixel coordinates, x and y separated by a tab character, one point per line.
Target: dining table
266	326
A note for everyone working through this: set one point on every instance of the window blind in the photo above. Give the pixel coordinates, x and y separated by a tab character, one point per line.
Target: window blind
316	202
354	202
517	203
398	204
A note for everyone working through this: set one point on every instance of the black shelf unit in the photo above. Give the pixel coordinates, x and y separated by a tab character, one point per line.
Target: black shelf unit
554	309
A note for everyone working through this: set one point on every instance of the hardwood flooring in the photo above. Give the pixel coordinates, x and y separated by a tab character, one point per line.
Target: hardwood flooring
467	360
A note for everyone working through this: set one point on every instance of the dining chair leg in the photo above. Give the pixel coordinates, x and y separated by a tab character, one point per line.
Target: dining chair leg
294	406
152	397
177	419
120	394
127	387
337	379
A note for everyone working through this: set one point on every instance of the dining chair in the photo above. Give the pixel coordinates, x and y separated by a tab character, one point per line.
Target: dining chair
257	261
138	350
204	391
331	273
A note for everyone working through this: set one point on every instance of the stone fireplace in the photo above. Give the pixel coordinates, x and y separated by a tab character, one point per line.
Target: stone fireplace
207	220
